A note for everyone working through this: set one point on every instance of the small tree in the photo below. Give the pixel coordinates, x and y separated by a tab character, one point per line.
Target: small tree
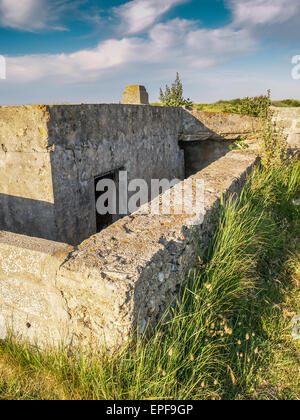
174	96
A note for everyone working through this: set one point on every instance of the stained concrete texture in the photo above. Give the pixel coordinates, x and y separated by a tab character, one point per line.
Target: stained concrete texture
136	95
31	306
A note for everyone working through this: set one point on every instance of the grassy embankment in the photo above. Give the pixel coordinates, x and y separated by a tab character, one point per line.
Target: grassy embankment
230	337
232	106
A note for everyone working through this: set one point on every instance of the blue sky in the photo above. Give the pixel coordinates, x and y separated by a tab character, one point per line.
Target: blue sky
89	50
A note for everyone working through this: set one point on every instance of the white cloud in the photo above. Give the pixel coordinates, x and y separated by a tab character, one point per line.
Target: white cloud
23	14
220	42
138	15
35	15
254	12
79	66
177	43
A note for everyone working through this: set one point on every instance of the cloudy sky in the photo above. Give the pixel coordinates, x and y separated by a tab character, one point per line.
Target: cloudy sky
89	50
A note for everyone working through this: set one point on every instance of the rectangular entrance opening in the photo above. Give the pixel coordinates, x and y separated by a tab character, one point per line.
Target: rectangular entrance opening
104	220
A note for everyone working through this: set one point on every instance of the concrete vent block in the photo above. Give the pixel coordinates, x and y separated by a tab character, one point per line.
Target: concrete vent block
136	95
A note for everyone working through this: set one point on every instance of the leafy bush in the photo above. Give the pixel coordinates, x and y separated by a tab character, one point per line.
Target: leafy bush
273	141
257	106
174	96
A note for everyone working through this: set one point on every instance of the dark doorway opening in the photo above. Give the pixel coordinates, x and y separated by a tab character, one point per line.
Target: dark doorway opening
199	154
104	220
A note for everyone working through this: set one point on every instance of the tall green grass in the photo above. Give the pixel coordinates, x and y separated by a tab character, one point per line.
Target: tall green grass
228	337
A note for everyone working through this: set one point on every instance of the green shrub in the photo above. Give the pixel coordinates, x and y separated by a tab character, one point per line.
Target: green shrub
174	96
257	106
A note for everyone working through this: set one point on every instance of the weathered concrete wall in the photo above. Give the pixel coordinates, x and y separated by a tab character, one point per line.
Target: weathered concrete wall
26	191
124	277
222	126
198	155
50	155
30	303
234	127
289	119
207	136
90	140
116	281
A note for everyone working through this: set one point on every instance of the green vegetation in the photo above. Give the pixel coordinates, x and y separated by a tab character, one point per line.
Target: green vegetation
174	96
287	103
220	106
254	107
240	106
230	336
273	141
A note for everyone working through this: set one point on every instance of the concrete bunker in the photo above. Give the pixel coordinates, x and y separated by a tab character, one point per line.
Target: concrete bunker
51	155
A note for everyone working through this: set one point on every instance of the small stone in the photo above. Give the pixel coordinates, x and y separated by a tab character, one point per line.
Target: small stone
161	277
143	324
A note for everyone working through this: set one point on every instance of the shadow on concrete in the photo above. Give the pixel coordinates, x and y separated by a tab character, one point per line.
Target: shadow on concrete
201	145
27	217
198	155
